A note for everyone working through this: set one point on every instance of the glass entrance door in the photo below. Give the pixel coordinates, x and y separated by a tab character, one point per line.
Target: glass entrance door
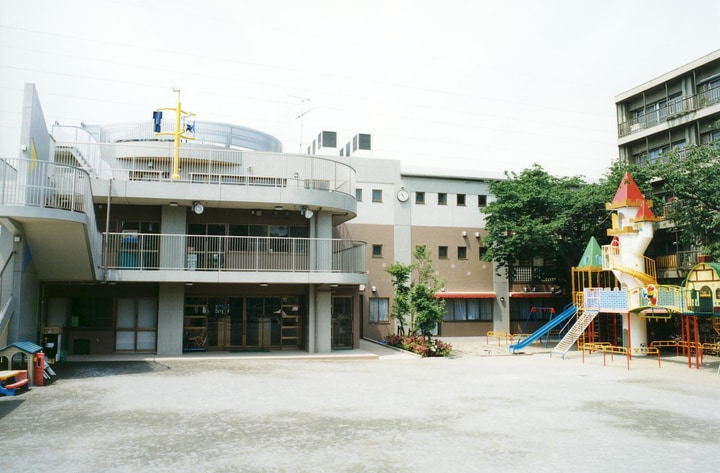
236	319
236	323
217	323
341	322
263	322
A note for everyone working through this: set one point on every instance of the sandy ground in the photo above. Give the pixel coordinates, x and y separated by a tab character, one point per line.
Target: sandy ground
369	410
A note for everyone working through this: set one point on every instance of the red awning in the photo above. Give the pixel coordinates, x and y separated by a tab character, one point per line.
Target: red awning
465	295
532	295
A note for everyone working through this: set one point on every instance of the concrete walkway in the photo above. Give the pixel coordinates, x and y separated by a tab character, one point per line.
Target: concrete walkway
368	410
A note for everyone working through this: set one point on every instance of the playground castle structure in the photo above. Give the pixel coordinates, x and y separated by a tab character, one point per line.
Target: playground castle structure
618	279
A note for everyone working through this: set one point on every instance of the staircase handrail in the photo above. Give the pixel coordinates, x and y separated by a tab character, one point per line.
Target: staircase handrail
610	257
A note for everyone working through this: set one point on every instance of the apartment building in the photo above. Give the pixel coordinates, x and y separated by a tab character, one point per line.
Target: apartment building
671	112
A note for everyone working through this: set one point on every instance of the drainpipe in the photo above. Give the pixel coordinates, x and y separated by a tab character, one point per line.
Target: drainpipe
107	230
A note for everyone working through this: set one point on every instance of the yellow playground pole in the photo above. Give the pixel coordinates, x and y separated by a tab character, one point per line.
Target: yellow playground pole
178	133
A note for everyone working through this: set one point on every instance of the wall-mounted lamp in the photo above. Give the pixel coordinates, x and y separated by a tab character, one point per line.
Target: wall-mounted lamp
477	234
197	207
502	300
306	212
361	288
373	289
464	233
173	204
23	147
17	239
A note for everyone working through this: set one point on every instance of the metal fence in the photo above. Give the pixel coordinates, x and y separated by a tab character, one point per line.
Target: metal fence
137	251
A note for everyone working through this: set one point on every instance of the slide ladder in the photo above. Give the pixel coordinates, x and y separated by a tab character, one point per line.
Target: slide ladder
568	312
574	333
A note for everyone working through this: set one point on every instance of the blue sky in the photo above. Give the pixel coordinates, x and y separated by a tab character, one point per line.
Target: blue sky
481	86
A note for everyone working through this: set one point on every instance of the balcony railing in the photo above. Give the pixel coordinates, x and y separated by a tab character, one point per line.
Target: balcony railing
154	161
43	184
683	260
613	258
142	252
530	274
671	109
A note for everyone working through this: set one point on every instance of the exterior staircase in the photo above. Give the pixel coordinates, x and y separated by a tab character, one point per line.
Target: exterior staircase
574	333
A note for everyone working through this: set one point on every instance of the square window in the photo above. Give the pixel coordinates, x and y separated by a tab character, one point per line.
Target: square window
462	252
358	195
328	139
482	200
377	195
443	252
442	198
461	200
419	197
483	250
364	141
377	251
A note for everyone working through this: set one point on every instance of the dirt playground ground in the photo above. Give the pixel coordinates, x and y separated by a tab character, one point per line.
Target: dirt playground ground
368	410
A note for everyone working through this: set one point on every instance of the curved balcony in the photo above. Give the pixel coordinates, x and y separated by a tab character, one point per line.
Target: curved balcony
275	178
52	203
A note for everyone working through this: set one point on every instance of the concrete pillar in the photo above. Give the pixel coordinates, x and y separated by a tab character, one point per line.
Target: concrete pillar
171	303
501	310
173	221
319	320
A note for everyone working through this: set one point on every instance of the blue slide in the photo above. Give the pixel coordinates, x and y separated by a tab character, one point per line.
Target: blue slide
569	311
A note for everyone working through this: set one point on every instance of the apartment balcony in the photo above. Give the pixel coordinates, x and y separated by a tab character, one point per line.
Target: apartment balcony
193	258
669	111
676	265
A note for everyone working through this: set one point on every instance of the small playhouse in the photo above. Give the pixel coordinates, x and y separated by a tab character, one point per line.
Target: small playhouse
21	364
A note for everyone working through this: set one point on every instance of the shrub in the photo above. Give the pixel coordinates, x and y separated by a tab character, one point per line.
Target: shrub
420	345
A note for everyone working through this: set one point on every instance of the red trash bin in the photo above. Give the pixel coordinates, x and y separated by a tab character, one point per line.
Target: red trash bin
39	374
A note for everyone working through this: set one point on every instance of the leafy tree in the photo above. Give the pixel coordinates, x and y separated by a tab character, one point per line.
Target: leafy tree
428	309
416	299
401	302
538	215
692	178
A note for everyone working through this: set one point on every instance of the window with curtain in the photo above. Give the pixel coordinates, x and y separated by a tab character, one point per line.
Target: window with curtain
379	309
478	310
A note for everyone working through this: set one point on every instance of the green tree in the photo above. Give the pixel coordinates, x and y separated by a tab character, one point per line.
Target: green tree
401	307
538	215
692	178
416	298
428	310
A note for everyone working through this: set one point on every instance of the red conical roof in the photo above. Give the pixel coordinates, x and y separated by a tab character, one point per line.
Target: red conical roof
645	214
627	195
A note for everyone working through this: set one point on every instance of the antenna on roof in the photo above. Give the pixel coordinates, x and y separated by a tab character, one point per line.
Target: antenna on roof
303	112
